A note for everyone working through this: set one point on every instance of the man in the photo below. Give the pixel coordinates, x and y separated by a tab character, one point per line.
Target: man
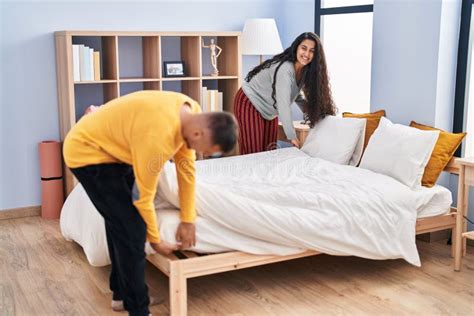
128	140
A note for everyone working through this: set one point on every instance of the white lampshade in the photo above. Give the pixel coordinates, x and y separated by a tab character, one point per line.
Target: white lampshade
260	37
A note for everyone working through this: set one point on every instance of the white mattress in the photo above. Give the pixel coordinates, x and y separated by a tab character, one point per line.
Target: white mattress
433	201
80	222
218	193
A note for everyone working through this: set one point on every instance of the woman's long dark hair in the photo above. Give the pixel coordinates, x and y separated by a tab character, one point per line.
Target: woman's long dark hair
314	79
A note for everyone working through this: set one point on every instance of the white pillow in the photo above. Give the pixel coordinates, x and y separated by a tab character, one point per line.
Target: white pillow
336	139
399	151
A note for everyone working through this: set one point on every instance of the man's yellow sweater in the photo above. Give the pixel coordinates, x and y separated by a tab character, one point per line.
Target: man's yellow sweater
142	129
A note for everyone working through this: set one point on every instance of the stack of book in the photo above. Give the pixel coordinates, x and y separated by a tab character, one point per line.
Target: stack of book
86	63
211	100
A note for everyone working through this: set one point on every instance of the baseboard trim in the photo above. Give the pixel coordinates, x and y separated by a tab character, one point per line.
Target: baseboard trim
20	212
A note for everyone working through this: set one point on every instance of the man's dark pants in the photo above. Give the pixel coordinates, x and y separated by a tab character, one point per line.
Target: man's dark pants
109	186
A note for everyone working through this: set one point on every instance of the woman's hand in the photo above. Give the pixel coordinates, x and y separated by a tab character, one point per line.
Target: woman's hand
91	108
295	142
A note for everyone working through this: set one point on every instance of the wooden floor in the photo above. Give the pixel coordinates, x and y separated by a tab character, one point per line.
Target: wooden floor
43	274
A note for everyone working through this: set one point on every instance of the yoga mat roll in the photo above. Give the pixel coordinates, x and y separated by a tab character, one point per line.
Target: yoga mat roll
52	193
50	159
52	198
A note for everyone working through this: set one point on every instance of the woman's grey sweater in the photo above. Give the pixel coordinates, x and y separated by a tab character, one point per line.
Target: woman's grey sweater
259	91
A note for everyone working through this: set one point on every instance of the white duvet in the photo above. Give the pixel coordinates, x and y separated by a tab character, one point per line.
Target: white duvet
278	202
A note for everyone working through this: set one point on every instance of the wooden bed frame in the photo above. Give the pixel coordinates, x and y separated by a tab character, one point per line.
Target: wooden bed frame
183	265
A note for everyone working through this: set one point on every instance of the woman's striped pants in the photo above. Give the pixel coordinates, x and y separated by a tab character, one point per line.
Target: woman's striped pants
256	134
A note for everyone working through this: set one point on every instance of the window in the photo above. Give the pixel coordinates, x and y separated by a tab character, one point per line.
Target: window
469	94
346	33
464	98
344	3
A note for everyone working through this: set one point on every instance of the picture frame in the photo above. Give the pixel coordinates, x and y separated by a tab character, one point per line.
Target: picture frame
173	69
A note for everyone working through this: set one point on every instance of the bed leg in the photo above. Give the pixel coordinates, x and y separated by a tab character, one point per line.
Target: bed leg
464	227
178	290
459	220
453	242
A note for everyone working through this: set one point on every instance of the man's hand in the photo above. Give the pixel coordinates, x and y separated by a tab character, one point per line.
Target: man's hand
186	235
163	247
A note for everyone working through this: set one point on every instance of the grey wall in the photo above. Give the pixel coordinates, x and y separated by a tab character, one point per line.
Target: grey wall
297	17
414	60
405	52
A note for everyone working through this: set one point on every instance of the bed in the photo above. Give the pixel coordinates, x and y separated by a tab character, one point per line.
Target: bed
295	206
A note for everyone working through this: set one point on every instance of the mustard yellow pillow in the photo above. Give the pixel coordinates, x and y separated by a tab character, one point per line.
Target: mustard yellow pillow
373	120
443	151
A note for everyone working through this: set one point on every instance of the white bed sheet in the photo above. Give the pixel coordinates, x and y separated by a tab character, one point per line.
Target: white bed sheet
82	223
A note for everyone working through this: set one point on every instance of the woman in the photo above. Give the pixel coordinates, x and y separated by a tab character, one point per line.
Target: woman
270	89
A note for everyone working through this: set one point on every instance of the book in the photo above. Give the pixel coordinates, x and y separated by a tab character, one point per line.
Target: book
212	100
85	69
76	63
96	65
204	99
91	64
220	103
215	95
82	63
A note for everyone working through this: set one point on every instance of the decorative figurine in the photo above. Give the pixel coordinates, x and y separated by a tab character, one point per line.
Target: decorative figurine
215	52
